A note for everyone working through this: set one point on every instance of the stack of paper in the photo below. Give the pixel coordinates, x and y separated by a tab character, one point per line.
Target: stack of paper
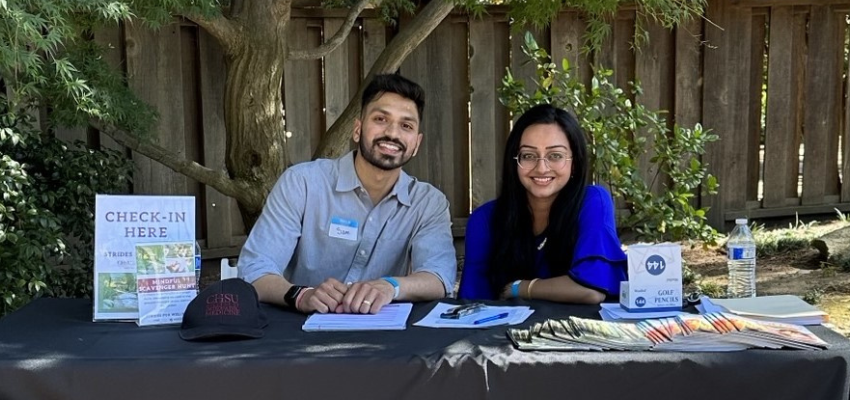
787	309
392	317
487	317
614	312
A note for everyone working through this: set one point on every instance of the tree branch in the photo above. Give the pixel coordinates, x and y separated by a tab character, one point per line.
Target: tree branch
335	141
218	180
222	29
337	38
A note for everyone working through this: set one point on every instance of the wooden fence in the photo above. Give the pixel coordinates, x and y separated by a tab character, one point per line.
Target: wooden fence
709	71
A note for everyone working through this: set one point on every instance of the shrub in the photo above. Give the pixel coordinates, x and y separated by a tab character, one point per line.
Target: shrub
47	210
611	120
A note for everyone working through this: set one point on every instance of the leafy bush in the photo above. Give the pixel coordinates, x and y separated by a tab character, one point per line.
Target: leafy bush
47	210
813	296
779	241
712	290
611	121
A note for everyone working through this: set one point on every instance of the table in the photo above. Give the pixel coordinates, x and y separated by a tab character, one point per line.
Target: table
50	349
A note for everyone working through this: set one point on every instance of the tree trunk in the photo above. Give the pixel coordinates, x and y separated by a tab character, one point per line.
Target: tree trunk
256	145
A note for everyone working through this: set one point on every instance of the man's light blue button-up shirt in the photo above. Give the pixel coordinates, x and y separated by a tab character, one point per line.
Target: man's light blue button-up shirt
298	235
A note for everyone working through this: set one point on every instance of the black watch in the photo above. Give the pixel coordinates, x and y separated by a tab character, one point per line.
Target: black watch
292	294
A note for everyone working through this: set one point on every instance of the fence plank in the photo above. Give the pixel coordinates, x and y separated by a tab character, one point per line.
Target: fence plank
152	61
220	218
456	147
781	143
71	135
737	143
715	103
616	54
653	69
109	38
687	108
192	137
374	42
440	66
624	54
488	122
823	71
845	167
302	88
484	102
567	42
725	92
415	67
756	79
342	69
521	68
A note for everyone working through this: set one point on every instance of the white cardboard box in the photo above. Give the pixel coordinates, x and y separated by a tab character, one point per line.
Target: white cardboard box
655	278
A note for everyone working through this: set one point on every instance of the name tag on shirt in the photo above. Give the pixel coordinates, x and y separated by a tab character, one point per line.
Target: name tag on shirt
343	228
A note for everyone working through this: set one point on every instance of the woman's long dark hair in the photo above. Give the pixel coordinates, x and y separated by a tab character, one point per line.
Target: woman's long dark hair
513	253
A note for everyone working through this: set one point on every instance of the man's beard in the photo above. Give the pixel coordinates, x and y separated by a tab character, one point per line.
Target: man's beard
382	161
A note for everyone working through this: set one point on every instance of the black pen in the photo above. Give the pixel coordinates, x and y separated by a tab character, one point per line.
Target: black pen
490	318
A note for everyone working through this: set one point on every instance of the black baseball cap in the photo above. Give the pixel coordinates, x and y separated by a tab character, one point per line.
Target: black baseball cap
227	309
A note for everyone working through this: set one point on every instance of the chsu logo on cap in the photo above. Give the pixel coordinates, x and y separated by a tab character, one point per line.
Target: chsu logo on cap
223	304
223	298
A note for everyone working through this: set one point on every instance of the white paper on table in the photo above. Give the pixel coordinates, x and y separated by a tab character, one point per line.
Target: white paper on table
391	317
516	315
777	308
613	312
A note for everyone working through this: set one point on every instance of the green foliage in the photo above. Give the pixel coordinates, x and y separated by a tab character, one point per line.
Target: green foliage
844	218
47	57
47	210
688	275
834	264
778	241
712	290
813	296
600	13
611	121
389	10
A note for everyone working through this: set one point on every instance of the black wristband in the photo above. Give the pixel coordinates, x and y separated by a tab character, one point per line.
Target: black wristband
292	294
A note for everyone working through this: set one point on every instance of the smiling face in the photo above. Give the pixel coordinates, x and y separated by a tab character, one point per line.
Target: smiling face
541	182
388	136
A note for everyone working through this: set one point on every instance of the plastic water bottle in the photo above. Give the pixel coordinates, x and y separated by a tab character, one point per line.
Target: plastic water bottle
741	260
197	266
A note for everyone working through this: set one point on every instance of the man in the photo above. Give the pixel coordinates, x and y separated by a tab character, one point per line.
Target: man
353	234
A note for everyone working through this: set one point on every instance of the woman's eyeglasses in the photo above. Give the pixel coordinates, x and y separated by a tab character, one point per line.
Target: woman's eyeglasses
552	160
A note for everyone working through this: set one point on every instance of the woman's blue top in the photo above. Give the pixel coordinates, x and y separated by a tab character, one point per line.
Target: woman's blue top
598	263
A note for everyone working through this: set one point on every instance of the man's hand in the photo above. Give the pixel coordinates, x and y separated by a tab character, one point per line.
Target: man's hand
366	297
325	298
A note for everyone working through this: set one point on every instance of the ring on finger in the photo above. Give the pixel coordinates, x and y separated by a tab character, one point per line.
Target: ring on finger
367	302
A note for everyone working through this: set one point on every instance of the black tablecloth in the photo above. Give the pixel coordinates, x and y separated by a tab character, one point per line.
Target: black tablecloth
50	349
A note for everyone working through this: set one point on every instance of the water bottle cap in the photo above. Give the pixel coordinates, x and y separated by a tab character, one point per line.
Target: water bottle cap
741	221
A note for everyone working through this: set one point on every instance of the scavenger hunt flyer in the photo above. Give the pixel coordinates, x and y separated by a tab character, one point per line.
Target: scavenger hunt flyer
122	222
165	278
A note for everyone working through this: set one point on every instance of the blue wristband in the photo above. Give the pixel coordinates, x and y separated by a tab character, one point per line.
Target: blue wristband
515	288
393	282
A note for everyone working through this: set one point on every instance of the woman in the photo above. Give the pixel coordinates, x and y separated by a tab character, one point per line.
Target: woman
548	235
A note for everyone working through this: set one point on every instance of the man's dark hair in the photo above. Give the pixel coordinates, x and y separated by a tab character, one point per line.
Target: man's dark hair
513	253
394	83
